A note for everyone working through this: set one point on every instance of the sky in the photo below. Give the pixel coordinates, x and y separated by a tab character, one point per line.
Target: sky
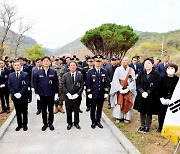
58	22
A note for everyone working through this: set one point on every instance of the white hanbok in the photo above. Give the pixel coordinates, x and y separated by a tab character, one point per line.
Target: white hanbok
120	74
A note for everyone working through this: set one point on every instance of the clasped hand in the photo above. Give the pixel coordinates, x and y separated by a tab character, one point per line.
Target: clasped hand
72	96
17	95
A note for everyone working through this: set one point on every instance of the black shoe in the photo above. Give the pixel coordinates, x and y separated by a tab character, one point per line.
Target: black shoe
141	129
3	111
88	109
77	126
44	127
80	111
69	126
8	111
18	128
146	130
93	126
99	125
25	128
38	112
51	127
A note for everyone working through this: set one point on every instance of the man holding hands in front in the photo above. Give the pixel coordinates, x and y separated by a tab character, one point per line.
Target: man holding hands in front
72	90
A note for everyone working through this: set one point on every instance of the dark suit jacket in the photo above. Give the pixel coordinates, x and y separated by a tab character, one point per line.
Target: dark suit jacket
110	72
4	76
138	69
151	86
162	70
19	85
68	86
46	85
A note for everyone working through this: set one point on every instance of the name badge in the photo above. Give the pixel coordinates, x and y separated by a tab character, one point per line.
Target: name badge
41	76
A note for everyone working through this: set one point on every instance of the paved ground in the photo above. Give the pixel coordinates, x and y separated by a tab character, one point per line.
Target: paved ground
61	140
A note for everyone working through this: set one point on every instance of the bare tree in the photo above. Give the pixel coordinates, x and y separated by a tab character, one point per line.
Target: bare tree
7	18
22	30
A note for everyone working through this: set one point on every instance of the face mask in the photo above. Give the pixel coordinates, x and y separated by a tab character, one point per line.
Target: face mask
170	71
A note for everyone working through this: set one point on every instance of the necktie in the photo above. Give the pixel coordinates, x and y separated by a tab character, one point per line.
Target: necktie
17	75
72	78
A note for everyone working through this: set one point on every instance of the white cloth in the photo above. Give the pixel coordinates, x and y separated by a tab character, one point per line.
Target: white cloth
120	74
75	96
90	96
2	85
38	97
17	95
144	94
106	95
56	97
69	96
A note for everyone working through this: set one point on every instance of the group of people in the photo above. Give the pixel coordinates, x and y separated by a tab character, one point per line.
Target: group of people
146	87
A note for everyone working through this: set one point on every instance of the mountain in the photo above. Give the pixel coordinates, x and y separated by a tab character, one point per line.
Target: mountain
148	42
26	41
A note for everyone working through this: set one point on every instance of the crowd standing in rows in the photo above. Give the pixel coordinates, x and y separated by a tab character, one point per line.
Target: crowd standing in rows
145	86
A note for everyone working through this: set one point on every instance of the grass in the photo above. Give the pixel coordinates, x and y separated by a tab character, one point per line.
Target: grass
151	143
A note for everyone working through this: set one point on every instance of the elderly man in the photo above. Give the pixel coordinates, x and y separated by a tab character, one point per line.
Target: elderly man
123	91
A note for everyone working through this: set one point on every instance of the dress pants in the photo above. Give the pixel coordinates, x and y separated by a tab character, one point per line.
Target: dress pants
2	97
39	105
70	107
146	120
88	101
96	109
161	115
7	98
21	107
47	102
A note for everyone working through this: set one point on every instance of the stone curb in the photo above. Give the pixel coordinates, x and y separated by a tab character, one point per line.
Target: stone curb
6	124
130	148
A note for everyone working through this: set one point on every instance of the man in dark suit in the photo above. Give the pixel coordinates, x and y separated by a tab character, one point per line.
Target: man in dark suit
35	69
4	73
137	67
90	62
97	89
26	68
72	90
46	85
162	66
18	83
110	70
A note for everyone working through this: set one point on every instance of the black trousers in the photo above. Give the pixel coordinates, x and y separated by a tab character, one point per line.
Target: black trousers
47	102
161	116
146	120
4	100
29	96
39	105
21	107
96	109
70	107
88	101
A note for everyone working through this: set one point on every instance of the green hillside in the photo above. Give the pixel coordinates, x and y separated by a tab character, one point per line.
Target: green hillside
148	45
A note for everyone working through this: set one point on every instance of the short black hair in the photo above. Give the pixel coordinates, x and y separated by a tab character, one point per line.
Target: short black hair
150	59
72	61
37	59
172	65
45	57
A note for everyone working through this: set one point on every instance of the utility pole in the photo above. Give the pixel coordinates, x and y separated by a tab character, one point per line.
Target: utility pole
162	52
